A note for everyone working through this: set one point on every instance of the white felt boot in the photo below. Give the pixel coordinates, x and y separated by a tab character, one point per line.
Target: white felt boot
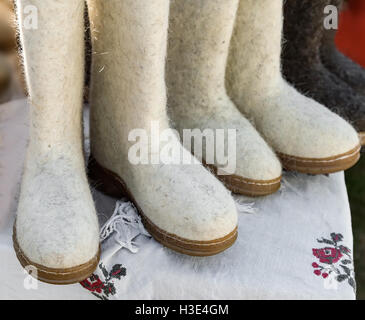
199	37
183	206
56	228
307	136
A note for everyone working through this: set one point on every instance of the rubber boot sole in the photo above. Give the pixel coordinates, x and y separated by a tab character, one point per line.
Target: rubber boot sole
59	276
321	165
111	184
247	187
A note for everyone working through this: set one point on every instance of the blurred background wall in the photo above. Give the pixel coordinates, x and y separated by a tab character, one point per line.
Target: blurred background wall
11	79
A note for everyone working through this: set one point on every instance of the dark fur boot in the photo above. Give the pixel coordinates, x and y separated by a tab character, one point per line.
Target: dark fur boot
302	65
343	67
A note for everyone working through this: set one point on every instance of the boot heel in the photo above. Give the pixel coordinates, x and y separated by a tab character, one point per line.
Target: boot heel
104	181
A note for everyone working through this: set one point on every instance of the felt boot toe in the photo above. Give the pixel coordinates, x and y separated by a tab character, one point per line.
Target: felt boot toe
56	228
196	65
307	136
184	207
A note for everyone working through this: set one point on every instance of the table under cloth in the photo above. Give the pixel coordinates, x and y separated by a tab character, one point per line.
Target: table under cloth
295	244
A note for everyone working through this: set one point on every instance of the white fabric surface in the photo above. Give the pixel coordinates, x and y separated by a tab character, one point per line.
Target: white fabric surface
272	258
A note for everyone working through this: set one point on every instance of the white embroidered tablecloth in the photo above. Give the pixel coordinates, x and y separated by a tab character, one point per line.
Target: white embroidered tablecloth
295	244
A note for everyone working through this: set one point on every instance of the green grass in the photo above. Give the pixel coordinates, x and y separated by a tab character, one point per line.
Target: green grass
355	180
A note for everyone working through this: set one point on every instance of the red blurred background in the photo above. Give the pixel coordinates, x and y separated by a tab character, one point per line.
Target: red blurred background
350	38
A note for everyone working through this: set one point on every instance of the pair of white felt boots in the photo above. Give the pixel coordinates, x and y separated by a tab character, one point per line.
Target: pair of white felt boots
184	206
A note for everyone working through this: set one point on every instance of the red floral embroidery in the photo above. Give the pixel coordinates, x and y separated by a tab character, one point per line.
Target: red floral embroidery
93	284
327	255
317	272
336	258
103	289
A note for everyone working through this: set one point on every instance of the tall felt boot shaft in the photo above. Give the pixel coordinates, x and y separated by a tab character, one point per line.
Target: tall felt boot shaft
53	61
200	32
296	126
304	31
184	202
56	225
199	36
307	33
129	50
254	61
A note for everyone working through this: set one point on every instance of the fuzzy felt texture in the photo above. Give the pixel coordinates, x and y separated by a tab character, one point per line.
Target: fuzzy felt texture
303	67
290	122
199	36
339	64
56	222
128	91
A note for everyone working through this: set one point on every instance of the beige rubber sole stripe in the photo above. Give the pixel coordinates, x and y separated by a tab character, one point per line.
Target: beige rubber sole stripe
59	276
328	165
110	183
247	187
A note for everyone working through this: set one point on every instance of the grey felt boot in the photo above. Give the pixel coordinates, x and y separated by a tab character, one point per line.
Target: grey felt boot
340	65
303	67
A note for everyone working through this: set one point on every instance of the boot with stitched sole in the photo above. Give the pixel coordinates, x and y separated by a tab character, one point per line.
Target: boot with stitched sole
183	206
303	67
307	137
56	229
200	33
